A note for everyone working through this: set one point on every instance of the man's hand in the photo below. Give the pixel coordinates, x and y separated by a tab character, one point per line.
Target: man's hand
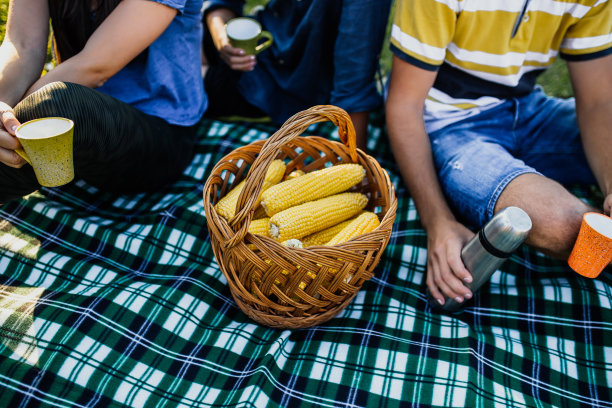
445	270
408	88
235	58
8	141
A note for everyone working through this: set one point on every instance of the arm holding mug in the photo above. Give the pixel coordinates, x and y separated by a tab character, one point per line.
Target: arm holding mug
105	83
234	57
23	53
22	56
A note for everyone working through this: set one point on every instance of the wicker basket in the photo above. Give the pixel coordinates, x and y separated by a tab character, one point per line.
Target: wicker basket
285	287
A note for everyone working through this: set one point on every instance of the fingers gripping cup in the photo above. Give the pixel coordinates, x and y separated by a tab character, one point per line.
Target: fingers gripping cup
47	146
245	33
593	248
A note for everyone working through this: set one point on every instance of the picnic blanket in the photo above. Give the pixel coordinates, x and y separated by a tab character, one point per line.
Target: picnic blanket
116	300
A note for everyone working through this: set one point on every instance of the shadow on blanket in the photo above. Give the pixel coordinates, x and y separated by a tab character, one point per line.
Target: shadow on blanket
109	300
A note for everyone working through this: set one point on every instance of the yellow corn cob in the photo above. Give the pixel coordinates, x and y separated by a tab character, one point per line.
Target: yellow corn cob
294	174
260	227
311	186
323	237
301	220
366	222
226	207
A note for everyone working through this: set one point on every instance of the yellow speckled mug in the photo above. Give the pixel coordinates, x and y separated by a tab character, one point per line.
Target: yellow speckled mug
47	146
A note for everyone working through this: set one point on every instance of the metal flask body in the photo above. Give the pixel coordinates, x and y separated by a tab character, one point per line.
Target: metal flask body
490	248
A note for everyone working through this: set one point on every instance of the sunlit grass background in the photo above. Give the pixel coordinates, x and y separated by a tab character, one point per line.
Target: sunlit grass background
555	81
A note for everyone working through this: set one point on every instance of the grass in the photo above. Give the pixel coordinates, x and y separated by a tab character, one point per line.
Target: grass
555	80
3	14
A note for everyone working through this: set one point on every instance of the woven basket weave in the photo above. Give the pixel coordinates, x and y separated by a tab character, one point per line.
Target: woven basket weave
265	276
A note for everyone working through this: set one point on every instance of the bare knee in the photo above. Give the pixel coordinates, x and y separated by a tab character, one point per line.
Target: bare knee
555	230
555	212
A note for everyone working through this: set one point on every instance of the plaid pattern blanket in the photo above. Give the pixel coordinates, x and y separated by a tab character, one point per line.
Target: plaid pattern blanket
116	300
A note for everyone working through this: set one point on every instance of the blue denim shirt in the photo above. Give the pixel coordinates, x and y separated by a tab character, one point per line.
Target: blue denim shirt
324	52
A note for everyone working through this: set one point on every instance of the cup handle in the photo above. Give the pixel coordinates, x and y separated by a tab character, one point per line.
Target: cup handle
266	44
23	154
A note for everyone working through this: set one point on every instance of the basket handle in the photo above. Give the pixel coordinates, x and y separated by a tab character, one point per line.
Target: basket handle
292	128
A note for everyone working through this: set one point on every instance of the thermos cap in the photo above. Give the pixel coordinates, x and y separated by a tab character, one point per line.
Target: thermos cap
508	229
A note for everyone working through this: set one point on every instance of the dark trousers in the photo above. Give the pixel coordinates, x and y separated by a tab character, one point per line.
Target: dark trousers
116	147
221	85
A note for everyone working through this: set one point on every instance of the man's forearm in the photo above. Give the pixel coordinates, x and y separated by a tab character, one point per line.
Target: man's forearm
596	130
592	83
412	151
215	21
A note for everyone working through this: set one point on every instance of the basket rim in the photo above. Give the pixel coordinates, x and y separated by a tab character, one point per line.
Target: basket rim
218	169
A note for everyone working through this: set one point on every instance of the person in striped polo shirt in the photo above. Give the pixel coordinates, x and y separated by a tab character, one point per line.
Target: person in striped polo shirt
471	132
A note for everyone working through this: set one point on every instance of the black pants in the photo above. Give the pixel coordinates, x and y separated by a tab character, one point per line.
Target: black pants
221	85
116	147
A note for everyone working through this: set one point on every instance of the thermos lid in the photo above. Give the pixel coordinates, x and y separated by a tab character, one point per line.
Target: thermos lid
507	230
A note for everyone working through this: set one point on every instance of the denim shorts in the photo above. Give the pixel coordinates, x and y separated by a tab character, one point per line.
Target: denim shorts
477	157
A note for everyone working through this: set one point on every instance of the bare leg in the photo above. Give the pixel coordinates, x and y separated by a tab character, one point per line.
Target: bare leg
555	213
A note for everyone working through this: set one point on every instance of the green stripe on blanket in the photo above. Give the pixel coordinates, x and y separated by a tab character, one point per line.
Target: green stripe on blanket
116	300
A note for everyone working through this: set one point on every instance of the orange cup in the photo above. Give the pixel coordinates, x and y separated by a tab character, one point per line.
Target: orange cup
593	248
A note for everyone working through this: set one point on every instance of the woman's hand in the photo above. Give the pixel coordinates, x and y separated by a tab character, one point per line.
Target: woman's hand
446	273
8	141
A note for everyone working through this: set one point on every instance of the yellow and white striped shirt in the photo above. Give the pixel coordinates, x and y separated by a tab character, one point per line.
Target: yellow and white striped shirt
489	50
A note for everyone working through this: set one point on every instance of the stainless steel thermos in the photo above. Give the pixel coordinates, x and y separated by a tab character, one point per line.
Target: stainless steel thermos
488	250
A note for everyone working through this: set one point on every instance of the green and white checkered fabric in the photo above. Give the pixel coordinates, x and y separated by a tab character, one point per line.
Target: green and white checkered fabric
116	300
